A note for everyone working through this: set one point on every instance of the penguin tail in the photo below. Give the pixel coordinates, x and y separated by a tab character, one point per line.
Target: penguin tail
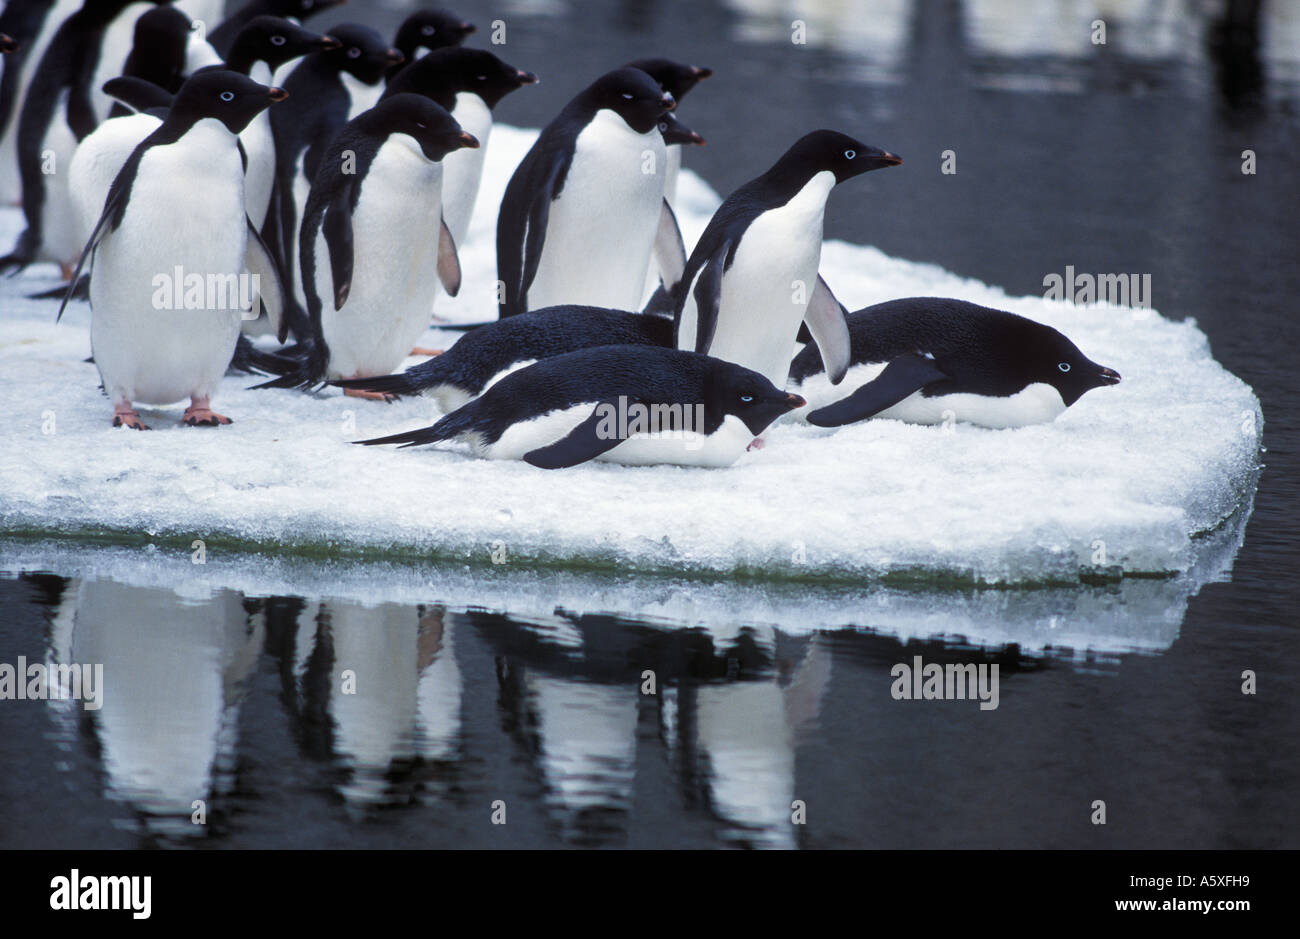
454	424
462	327
400	384
301	366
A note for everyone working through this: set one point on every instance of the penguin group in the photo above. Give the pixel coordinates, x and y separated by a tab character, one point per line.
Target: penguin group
174	164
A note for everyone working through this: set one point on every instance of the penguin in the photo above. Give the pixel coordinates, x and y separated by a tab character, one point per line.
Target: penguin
428	30
56	115
927	360
677	79
612	403
158	223
158	48
483	357
585	208
303	133
752	277
675	134
469	83
373	248
223	37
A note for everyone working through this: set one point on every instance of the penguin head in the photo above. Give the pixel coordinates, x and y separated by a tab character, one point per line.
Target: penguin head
431	29
443	74
633	95
160	39
829	150
275	40
421	119
675	132
228	96
673	77
364	54
1058	362
7	43
734	389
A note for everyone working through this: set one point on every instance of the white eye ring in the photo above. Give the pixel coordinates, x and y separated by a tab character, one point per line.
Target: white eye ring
747	398
850	154
663	126
227	96
354	53
628	96
427	30
277	40
1064	366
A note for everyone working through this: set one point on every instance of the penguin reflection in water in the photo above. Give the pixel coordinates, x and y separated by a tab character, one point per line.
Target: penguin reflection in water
156	220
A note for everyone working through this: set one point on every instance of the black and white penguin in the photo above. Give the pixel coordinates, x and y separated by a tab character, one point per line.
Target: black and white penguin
582	212
373	249
223	36
304	132
428	31
677	79
752	278
157	225
484	356
468	83
57	113
638	405
160	42
927	360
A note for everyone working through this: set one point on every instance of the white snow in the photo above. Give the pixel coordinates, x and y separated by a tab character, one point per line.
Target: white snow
1122	482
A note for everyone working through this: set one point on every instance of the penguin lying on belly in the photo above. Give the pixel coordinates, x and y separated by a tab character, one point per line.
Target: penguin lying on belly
925	360
636	405
486	355
374	246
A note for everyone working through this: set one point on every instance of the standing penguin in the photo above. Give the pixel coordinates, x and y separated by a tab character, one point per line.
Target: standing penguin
581	212
373	246
158	223
57	114
752	278
303	133
469	83
224	36
161	39
927	359
428	30
677	79
27	26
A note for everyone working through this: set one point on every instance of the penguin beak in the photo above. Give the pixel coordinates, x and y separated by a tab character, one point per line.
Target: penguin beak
1108	376
701	72
696	139
8	43
468	28
468	140
668	102
277	94
525	78
794	401
394	57
329	42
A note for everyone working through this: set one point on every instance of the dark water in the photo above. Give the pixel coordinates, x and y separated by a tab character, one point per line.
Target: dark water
1117	158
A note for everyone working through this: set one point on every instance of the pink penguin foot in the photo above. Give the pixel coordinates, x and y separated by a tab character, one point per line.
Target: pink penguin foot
756	444
125	416
370	395
422	350
200	415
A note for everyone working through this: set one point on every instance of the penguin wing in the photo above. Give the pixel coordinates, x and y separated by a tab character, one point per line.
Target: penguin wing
138	94
448	259
337	228
826	321
901	377
539	214
708	295
261	264
579	445
670	250
521	224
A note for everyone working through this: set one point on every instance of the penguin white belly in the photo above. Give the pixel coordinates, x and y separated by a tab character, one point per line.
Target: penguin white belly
156	355
259	146
526	436
199	52
59	219
98	160
721	448
670	175
462	169
363	97
766	290
114	50
395	264
601	229
1037	403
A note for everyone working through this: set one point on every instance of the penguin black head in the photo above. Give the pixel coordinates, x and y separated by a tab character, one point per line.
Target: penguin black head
7	44
364	54
673	77
275	40
734	389
829	150
421	118
1054	360
430	30
441	75
226	95
675	132
633	95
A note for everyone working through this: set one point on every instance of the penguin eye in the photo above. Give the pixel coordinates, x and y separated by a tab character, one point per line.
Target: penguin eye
482	78
277	40
663	126
428	31
850	154
227	96
1064	366
354	53
628	96
747	398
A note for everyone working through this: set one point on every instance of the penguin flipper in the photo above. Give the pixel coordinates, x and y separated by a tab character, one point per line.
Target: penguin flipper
337	229
901	377
138	94
261	264
579	445
539	214
116	201
670	250
448	260
826	321
708	296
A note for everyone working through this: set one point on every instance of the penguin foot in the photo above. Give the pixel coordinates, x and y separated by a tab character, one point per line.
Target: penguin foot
421	350
23	254
198	414
370	395
756	444
125	416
